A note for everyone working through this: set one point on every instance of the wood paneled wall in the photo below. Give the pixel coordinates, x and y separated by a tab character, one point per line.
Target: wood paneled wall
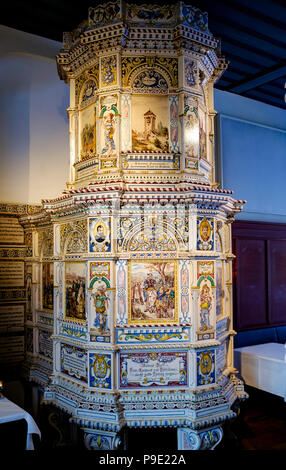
259	275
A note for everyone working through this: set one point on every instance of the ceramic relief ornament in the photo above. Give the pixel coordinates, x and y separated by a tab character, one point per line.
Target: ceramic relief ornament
150	75
190	72
122	294
158	231
160	14
125	122
104	14
88	92
174	126
152	335
73	237
195	18
103	440
86	86
185	292
207	439
108	71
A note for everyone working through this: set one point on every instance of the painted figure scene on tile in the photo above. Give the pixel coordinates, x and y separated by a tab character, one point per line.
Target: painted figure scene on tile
100	313
206	301
150	123
152	290
108	138
48	286
192	132
88	131
75	291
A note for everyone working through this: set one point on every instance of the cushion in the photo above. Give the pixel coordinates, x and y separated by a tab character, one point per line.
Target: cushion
259	336
281	333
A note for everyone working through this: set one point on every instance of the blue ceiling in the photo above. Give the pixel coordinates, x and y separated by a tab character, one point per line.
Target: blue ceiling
253	39
252	33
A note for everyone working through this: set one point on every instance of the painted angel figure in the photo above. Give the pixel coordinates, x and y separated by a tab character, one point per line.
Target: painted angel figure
101	303
109	129
205	305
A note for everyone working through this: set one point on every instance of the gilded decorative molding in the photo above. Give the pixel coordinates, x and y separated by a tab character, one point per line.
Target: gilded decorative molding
46	242
90	75
129	66
73	237
19	209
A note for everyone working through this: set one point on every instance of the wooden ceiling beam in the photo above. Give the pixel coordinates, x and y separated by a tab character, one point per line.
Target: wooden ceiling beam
258	80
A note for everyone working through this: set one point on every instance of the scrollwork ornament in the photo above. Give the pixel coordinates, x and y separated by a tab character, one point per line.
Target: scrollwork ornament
210	439
101	442
193	441
204	440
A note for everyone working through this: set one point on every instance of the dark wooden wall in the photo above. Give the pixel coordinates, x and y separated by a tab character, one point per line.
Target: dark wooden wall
259	275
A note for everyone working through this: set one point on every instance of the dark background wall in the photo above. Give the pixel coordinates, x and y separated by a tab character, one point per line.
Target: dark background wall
259	275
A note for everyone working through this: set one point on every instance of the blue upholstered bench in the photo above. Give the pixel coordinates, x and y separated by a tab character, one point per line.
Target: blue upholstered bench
281	333
275	334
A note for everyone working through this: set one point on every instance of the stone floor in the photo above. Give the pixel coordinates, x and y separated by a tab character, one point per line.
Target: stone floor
262	424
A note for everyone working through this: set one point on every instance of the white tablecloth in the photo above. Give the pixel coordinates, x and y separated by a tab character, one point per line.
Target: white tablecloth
9	411
263	366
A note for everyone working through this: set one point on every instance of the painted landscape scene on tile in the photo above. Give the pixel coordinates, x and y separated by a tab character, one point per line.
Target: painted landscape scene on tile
150	124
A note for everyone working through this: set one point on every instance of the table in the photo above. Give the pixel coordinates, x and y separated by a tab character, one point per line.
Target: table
263	366
9	411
